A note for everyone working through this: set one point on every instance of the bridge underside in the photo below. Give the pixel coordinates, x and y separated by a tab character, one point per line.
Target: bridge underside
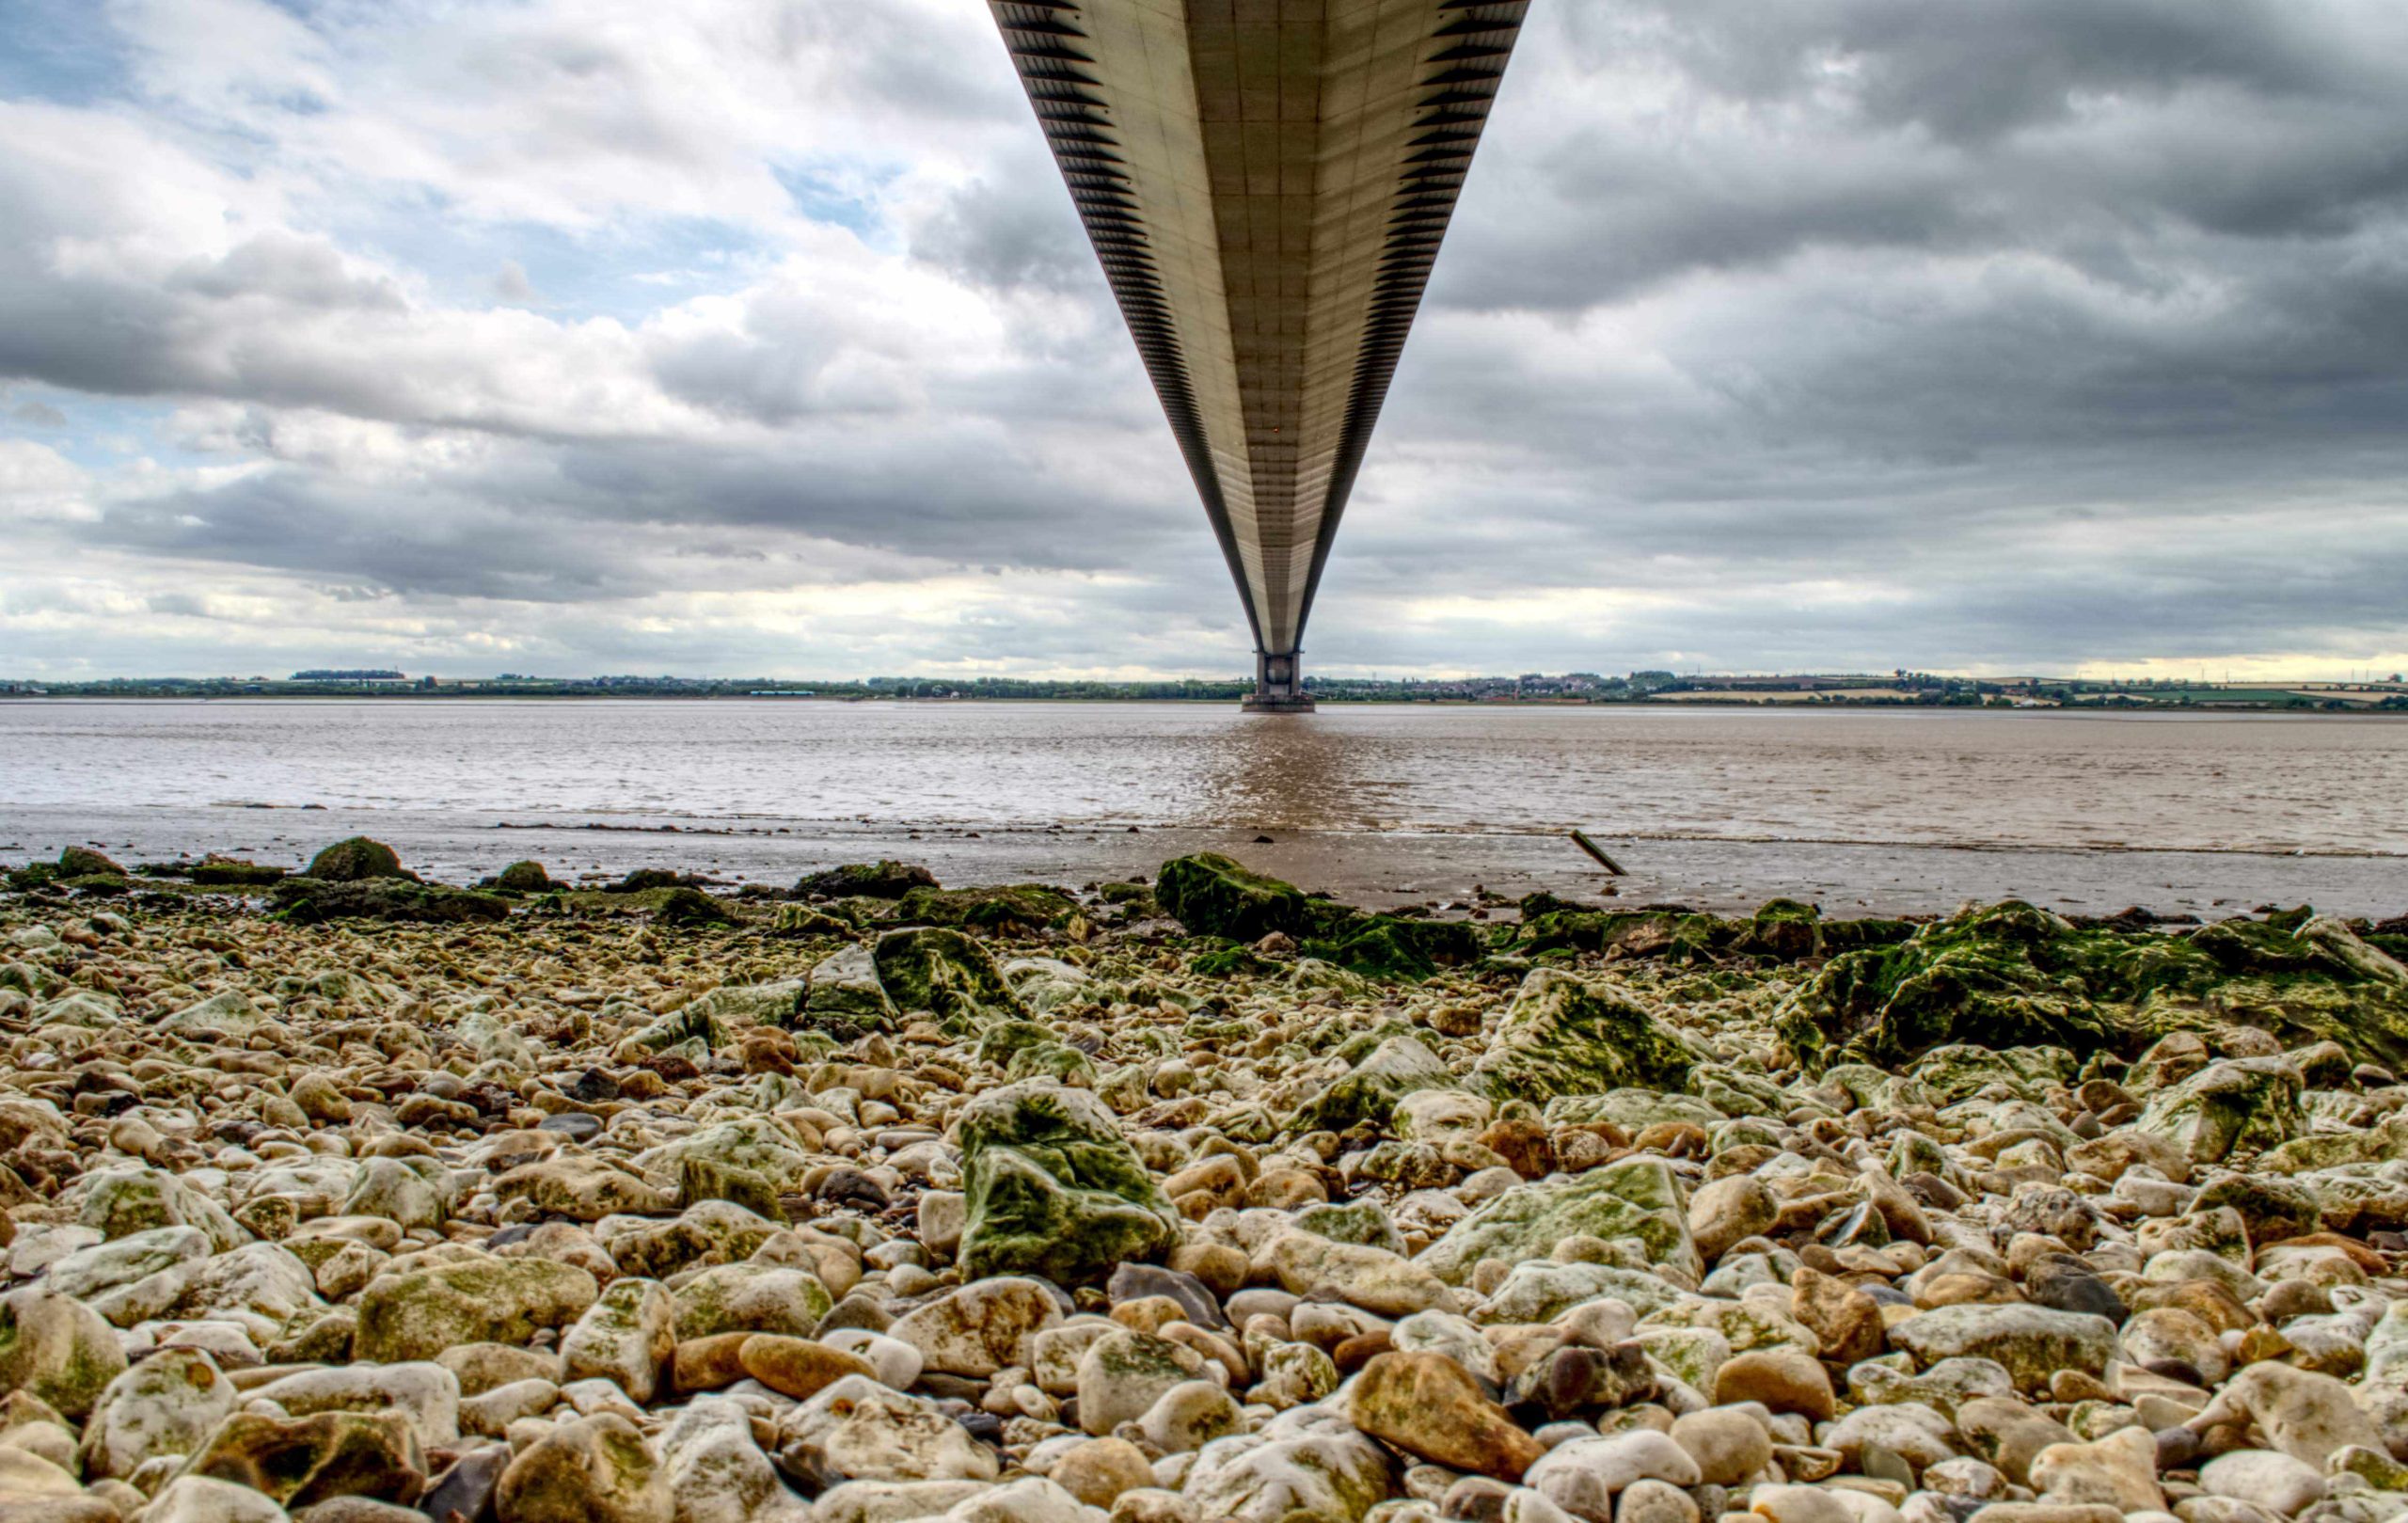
1266	183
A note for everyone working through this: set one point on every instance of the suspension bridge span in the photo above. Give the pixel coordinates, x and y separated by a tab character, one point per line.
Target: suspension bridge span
1266	183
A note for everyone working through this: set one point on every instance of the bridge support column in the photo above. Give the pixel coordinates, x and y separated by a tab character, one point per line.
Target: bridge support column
1278	685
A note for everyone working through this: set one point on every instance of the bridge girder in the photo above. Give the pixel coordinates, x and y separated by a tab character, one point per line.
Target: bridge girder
1266	183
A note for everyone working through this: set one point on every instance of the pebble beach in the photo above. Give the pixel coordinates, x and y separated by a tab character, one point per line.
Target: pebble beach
350	1197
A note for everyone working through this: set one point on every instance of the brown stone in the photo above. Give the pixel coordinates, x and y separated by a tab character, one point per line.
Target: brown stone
708	1363
1523	1145
1845	1319
1428	1406
798	1367
1785	1379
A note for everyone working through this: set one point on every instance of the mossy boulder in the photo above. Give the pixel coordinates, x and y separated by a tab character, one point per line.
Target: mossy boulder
357	858
2013	975
1786	929
1637	1198
417	1314
2243	1106
881	879
1564	1035
310	901
83	862
1008	909
215	871
1400	950
844	993
1367	1096
57	1349
1213	895
1054	1189
803	920
684	906
945	972
525	878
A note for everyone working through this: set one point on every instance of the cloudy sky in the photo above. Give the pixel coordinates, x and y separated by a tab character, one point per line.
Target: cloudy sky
758	336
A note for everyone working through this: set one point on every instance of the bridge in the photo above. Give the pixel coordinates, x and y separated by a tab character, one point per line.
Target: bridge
1266	183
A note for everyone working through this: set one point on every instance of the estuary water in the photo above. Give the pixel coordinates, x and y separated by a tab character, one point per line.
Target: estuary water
1888	809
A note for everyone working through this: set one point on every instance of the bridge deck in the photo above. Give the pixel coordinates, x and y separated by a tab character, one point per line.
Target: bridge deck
1266	183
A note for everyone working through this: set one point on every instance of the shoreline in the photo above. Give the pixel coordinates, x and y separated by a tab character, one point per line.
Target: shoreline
1375	868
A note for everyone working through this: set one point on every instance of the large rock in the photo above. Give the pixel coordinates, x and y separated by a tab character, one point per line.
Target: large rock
2011	973
1054	1189
300	1461
1396	1067
751	1297
844	991
418	1315
2240	1106
1305	1466
1213	895
866	1432
881	879
981	1327
166	1404
1006	908
2031	1343
1565	1034
595	1470
1637	1198
947	973
1427	1404
627	1336
55	1347
119	1202
355	859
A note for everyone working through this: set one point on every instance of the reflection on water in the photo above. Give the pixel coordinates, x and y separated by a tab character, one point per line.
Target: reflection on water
2259	783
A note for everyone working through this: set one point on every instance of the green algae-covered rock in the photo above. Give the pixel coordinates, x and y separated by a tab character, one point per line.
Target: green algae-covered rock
1398	950
418	1315
945	972
1637	1198
1959	1071
119	1202
1633	1110
1213	895
355	859
524	878
685	906
881	879
1054	1189
55	1347
2241	1106
734	1008
1569	1036
755	1144
844	990
2013	975
1785	928
803	920
1006	908
83	862
751	1298
310	901
1396	1067
2031	1343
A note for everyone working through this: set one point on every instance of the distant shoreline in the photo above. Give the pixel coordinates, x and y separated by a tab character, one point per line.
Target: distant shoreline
2304	709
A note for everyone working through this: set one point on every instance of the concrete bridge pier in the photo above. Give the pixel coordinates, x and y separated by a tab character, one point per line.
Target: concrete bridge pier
1278	685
